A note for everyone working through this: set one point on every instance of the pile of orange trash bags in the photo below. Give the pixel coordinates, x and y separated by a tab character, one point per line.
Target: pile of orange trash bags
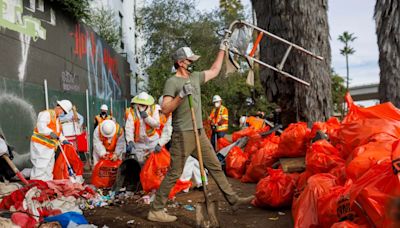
351	179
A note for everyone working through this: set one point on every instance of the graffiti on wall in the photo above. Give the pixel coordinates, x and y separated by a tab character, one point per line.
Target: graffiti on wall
11	18
103	78
69	81
28	27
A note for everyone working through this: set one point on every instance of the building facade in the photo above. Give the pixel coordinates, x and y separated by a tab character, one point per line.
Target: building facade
126	14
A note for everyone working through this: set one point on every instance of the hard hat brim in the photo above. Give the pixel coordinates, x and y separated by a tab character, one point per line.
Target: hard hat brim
137	100
61	105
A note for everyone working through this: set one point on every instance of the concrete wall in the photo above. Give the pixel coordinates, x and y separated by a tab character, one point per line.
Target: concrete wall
38	42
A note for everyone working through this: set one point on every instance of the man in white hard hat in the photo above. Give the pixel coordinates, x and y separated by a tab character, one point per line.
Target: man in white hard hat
183	143
102	116
108	141
142	121
218	120
45	140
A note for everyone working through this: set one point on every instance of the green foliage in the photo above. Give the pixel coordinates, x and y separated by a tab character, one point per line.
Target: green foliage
346	38
231	10
338	92
78	9
104	24
167	28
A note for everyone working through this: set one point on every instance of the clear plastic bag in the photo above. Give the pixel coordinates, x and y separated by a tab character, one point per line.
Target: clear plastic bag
241	38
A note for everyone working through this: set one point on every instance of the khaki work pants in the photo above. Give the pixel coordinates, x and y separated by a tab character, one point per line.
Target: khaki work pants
183	145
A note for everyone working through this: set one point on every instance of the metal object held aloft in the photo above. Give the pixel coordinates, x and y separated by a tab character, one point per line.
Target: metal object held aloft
238	24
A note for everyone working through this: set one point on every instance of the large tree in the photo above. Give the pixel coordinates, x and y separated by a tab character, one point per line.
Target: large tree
387	17
303	22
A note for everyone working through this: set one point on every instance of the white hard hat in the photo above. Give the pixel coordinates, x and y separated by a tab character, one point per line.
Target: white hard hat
104	107
66	105
143	98
160	100
216	98
107	128
242	120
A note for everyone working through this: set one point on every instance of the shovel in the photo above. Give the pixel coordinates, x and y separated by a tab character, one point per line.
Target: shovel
15	169
71	173
206	213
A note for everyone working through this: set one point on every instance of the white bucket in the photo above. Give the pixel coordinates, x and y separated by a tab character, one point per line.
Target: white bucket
68	129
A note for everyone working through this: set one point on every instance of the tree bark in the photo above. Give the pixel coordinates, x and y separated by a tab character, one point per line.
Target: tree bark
387	17
305	23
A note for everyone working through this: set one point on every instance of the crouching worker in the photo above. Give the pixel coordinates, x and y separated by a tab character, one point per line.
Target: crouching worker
142	121
6	173
46	137
108	141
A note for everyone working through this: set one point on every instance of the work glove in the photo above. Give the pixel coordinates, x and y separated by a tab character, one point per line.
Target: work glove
224	45
143	114
66	142
157	149
114	157
53	136
187	89
130	147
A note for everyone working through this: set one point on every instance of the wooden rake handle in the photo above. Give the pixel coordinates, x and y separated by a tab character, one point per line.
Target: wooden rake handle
198	147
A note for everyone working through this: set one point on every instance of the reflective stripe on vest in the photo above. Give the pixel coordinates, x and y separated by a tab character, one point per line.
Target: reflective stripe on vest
136	121
222	114
46	139
163	121
110	146
99	119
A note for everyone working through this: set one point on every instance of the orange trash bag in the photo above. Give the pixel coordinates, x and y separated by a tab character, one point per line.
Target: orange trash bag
334	206
222	142
321	157
179	187
362	123
235	163
260	161
377	191
304	208
346	224
366	156
330	127
105	172
154	170
294	140
275	190
249	131
60	170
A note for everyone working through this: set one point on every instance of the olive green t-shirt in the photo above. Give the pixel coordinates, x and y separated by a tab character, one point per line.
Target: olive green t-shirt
181	117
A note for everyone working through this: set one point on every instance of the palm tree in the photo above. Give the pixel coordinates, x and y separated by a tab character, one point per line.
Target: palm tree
303	22
387	14
346	38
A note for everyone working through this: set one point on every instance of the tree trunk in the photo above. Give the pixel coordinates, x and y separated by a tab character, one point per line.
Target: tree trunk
387	17
305	23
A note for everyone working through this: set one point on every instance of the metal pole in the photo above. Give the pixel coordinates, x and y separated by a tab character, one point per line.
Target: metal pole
46	95
111	104
88	131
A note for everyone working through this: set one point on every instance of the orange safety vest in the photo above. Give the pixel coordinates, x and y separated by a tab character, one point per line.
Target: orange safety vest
136	122
217	115
46	139
255	122
99	119
110	146
163	120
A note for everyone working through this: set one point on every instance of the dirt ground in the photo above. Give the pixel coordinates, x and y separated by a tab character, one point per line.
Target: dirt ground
246	216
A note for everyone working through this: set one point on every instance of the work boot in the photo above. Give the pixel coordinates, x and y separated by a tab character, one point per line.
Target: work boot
241	201
160	216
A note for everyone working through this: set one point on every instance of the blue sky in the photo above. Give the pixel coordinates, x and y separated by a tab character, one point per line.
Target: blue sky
355	16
